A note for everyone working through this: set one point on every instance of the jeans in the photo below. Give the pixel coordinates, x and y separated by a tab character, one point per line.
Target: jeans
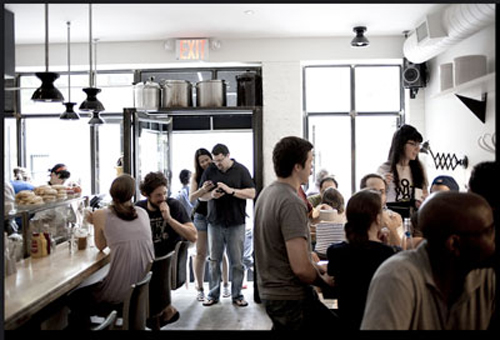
220	236
307	314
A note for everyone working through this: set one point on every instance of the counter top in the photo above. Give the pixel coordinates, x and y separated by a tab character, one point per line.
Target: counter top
40	281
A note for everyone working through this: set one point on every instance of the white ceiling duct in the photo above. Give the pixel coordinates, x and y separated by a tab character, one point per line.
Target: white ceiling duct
459	21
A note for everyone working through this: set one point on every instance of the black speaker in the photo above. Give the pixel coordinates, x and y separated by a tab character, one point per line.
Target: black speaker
414	76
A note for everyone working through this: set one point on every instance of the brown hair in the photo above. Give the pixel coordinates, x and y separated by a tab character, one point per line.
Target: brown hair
122	189
362	210
334	198
152	181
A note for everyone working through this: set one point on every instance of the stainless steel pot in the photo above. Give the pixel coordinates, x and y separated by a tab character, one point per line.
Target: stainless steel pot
211	93
176	93
147	95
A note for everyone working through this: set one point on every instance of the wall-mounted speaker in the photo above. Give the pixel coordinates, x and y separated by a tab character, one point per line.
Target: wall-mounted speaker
414	76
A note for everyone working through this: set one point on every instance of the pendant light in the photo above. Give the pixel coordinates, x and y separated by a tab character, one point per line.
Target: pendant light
359	40
69	113
91	103
47	92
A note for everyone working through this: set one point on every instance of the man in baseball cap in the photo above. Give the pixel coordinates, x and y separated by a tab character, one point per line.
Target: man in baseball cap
444	183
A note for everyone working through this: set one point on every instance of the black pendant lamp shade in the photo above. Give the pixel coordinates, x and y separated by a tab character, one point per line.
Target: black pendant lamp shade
96	119
359	40
91	103
69	113
47	92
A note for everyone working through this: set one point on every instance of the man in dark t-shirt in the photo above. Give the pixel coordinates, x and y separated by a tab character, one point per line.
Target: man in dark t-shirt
226	220
169	221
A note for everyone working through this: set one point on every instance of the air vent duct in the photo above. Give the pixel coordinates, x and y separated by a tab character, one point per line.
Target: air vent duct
459	21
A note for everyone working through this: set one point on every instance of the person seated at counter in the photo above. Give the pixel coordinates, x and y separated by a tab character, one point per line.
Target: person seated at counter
124	228
169	224
353	263
325	183
58	174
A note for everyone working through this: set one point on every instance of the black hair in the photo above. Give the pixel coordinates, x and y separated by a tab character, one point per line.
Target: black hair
404	134
361	211
122	189
288	152
60	170
184	176
482	182
152	181
220	149
328	178
198	170
365	179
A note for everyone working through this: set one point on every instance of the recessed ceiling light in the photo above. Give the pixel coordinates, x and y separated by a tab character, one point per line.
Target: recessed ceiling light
249	12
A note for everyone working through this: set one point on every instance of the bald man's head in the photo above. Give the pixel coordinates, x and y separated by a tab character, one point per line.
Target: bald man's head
461	223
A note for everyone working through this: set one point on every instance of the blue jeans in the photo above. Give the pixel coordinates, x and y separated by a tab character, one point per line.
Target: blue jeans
220	236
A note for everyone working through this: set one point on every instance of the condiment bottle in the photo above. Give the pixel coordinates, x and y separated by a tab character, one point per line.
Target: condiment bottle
36	245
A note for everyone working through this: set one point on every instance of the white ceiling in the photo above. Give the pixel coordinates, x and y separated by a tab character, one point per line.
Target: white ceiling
135	22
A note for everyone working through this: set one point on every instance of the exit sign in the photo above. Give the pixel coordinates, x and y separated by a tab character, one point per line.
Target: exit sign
191	49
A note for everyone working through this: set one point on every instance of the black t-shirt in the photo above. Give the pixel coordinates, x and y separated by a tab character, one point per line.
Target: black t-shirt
228	210
164	236
353	268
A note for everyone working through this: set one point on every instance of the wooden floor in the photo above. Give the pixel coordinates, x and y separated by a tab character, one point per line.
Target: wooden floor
221	316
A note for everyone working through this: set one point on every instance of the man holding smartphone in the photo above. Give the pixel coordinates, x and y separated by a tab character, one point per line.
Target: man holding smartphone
226	220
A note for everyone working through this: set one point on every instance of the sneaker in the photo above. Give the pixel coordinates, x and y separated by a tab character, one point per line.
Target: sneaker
226	292
201	295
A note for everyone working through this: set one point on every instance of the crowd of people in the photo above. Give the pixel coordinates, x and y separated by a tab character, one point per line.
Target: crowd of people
355	249
442	279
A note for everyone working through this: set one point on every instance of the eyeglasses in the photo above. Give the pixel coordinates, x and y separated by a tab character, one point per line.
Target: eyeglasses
218	159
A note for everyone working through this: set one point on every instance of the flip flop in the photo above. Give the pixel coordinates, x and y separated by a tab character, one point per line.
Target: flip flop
209	302
240	302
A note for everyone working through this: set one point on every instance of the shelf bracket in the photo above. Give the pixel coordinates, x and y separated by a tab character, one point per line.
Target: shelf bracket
478	107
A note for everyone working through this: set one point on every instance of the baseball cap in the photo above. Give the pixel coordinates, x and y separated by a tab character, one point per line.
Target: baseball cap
448	181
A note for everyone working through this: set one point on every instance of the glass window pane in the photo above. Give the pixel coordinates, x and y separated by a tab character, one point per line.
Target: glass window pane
378	88
331	137
373	140
328	89
116	91
109	152
10	147
50	141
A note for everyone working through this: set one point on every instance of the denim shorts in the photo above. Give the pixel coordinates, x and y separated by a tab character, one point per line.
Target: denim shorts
200	222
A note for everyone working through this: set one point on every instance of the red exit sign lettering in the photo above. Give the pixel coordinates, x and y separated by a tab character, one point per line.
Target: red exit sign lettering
192	49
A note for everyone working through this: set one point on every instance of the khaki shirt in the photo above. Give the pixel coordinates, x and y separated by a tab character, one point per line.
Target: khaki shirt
404	296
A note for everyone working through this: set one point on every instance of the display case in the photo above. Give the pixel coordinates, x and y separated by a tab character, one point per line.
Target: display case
59	216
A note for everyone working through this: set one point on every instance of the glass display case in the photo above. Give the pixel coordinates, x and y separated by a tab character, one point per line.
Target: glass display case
58	217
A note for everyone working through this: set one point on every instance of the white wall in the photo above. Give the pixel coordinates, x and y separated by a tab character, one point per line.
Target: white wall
450	126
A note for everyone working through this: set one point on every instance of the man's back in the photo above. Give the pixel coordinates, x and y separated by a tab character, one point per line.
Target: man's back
280	215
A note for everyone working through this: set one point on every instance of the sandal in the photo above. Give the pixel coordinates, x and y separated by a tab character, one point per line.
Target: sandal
200	296
209	302
240	302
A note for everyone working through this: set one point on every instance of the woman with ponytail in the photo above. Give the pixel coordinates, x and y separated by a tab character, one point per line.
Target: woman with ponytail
124	228
353	263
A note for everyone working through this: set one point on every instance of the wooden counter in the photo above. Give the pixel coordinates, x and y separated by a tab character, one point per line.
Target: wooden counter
40	281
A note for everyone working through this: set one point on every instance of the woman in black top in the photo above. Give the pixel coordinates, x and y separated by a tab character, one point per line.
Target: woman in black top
353	263
202	159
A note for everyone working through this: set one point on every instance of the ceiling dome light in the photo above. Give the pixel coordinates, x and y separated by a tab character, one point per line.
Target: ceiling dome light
359	40
96	119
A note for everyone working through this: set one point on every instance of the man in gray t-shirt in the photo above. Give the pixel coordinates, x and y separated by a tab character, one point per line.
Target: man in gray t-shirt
285	270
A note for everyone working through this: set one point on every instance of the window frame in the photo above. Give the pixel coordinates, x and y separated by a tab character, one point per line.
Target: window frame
353	112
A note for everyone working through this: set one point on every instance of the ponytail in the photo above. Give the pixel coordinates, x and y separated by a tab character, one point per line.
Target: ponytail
124	210
122	189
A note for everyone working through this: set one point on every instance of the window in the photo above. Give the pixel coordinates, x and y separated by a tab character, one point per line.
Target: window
352	112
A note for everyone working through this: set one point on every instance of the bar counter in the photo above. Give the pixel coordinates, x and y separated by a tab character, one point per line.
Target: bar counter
40	281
